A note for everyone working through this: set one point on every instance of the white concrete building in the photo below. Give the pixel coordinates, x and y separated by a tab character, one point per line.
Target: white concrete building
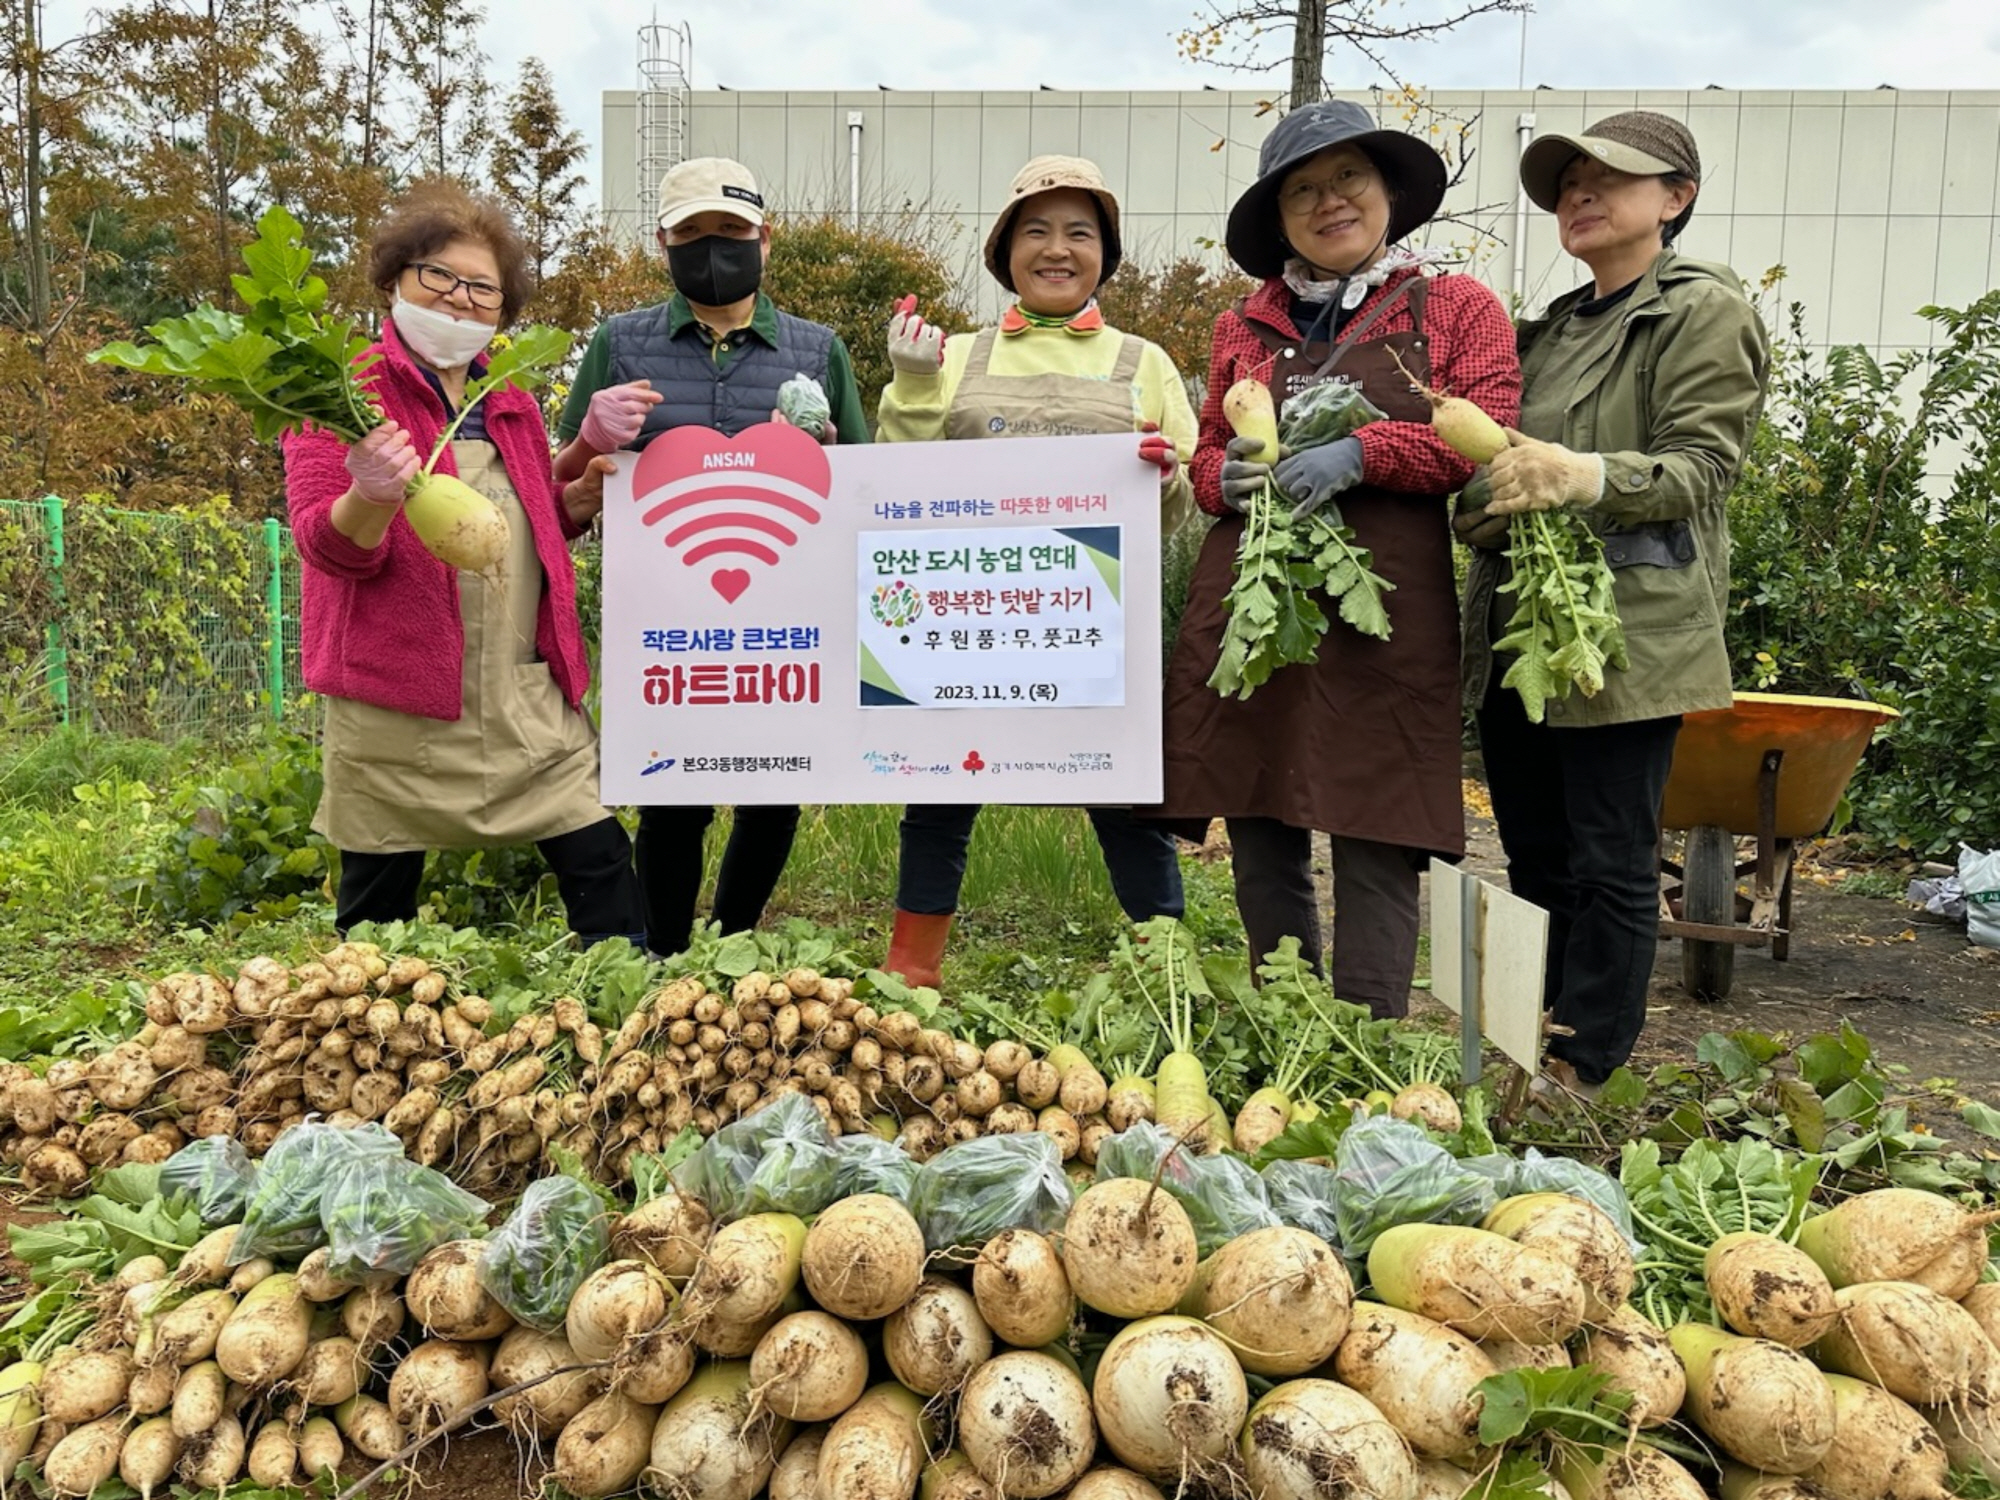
1876	204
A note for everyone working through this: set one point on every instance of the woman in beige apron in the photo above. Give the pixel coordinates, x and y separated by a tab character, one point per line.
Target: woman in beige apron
1363	744
1051	367
453	699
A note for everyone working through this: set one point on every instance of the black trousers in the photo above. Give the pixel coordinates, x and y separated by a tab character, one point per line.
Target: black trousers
1375	907
1579	816
760	841
593	869
1140	856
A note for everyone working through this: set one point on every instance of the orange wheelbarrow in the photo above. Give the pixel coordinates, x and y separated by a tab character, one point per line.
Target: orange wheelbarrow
1772	767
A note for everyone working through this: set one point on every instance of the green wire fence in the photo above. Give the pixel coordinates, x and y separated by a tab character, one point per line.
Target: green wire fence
160	624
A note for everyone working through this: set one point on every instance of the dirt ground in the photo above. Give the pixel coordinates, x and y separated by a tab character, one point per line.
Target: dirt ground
1911	983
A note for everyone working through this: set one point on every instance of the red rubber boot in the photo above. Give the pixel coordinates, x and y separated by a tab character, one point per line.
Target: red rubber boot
916	947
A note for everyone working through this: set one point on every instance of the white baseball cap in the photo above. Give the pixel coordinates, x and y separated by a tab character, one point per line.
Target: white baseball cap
705	184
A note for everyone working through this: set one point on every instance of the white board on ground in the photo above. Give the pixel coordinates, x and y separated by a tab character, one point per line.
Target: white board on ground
1509	940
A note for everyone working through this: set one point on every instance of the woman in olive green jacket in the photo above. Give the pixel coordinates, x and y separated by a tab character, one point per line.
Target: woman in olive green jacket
1640	395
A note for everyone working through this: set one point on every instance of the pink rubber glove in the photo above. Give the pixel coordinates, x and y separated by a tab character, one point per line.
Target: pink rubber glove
616	414
915	347
1157	449
382	465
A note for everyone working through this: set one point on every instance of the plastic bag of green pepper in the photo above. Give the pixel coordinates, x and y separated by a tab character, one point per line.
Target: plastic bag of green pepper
803	403
381	1218
971	1191
282	1219
556	1236
216	1173
1324	413
780	1160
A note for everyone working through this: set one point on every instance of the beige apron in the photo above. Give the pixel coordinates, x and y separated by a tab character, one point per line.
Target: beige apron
517	766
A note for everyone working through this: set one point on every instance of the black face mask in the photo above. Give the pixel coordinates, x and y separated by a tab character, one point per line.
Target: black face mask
715	271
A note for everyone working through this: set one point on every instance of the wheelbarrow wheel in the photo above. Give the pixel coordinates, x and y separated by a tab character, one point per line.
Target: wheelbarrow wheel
1709	897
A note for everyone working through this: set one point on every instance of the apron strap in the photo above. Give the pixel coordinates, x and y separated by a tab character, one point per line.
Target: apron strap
1126	371
1273	341
980	361
1352	336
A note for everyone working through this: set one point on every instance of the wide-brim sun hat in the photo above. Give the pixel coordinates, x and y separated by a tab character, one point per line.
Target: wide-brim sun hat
1638	141
1045	174
1413	170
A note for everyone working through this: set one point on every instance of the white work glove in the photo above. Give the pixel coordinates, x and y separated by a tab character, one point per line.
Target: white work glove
915	347
1532	475
382	465
616	414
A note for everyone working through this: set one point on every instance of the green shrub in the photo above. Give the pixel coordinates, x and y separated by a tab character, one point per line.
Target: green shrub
1852	578
245	845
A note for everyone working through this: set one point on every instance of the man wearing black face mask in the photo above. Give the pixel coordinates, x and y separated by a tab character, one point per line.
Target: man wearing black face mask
713	355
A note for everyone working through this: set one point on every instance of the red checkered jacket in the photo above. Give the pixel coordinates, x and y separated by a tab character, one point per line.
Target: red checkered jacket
1472	355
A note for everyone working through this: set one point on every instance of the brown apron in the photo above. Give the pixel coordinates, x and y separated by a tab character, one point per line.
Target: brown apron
517	765
1364	742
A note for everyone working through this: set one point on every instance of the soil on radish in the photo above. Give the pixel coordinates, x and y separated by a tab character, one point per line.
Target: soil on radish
1034	1434
1333	1474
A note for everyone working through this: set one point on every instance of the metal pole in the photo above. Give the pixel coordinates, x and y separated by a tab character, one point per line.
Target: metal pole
1471	945
57	652
274	611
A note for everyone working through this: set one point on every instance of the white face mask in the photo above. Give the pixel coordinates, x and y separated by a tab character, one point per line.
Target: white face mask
438	338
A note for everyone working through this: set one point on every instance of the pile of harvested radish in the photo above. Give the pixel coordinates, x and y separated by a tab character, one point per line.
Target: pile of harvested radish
760	1236
850	1356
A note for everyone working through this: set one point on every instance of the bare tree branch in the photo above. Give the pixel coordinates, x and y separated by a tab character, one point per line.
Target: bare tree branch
1235	34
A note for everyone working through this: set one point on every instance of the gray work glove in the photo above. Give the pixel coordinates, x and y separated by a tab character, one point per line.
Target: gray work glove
1471	522
1243	479
1313	476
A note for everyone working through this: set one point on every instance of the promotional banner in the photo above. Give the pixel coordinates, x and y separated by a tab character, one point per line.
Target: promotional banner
907	622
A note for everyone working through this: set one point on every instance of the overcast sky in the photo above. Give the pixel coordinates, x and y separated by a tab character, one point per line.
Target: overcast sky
592	46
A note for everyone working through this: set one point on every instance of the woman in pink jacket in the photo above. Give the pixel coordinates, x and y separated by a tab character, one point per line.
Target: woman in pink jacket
454	714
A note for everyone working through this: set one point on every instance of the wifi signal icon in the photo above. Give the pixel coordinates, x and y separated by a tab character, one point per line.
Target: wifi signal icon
718	497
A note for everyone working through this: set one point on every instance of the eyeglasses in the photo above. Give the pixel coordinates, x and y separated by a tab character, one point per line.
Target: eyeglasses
1304	196
444	281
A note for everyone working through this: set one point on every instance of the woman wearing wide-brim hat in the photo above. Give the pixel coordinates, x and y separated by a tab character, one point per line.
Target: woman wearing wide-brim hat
1363	744
1642	390
1051	367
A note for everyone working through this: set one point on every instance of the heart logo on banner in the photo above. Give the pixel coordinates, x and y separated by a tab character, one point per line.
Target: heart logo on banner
745	496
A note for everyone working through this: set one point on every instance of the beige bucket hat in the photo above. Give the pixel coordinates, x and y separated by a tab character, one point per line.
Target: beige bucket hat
1045	174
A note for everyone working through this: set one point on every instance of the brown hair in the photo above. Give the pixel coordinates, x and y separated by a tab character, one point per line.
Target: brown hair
432	214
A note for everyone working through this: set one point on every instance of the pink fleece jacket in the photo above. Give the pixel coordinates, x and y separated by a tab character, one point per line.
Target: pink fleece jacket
381	625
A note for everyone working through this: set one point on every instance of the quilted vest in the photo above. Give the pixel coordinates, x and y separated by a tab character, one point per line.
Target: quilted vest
700	393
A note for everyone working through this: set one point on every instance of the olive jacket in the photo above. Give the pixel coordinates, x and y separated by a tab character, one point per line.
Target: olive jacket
1670	400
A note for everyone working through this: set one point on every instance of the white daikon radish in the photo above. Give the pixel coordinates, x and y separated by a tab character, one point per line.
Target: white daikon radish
1025	1422
1576	1232
1170	1398
1767	1289
1630	1349
1765	1405
810	1367
1476	1282
710	1443
1419	1374
1280	1296
1311	1438
937	1339
1900	1234
1022	1290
